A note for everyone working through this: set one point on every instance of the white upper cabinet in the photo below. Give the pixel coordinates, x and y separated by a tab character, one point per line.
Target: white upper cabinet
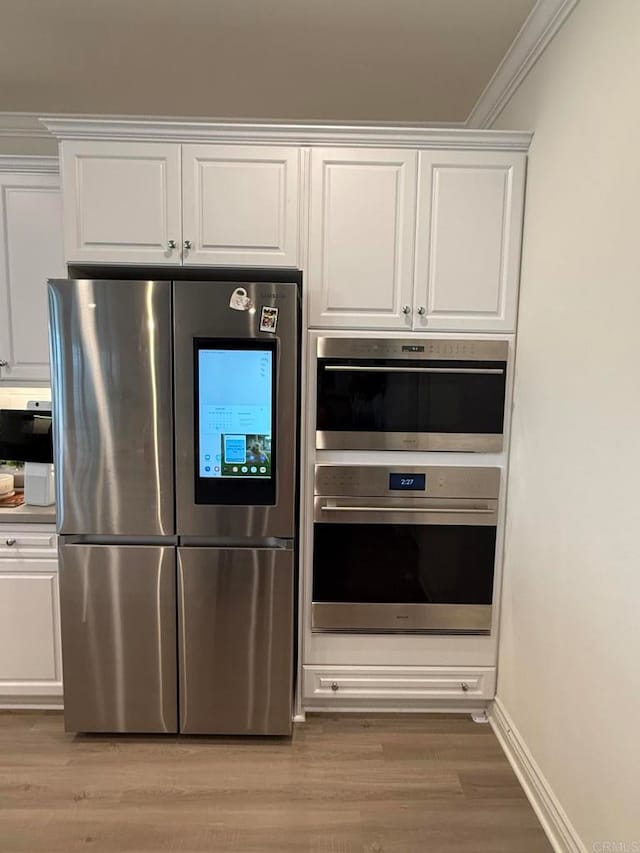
240	205
122	202
30	253
361	240
470	207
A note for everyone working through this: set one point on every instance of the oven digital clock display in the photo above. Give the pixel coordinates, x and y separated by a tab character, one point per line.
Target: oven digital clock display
407	482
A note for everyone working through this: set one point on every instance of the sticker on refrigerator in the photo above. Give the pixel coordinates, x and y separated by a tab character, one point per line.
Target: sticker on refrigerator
241	301
268	319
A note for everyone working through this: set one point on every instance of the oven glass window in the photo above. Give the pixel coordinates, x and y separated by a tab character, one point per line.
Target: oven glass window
401	396
235	406
403	563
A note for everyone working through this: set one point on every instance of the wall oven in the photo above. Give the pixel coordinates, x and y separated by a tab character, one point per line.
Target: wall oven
400	549
408	394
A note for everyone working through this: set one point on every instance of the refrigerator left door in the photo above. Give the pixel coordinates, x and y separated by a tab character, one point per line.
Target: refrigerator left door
118	606
111	371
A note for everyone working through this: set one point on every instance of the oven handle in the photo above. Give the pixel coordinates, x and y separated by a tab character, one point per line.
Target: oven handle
441	509
487	371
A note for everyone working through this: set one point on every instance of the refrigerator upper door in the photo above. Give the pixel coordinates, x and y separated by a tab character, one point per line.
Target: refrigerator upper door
118	607
111	365
236	382
235	639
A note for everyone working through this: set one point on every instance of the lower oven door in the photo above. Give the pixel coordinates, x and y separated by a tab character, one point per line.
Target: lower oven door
431	572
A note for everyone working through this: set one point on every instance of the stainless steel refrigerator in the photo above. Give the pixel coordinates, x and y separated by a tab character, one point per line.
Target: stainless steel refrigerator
175	435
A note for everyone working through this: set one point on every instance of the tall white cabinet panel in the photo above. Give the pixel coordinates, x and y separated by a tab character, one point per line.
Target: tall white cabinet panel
361	240
468	240
30	648
30	252
122	202
240	205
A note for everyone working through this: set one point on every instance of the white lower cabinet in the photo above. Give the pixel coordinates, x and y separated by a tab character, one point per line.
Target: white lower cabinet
394	686
30	648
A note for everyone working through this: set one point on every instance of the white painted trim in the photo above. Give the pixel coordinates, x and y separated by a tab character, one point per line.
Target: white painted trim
34	164
555	822
543	23
289	133
22	126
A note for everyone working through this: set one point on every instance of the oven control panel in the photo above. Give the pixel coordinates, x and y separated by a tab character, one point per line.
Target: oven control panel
419	481
404	348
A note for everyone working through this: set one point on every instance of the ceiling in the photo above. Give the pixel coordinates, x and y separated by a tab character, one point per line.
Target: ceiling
344	60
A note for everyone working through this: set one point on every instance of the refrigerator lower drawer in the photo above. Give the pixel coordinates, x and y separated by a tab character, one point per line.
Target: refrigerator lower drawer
235	640
118	607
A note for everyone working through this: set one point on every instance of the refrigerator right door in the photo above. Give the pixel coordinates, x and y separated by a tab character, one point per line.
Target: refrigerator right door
236	380
235	640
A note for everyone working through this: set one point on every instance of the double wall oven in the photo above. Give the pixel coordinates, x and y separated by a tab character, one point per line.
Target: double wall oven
408	394
404	549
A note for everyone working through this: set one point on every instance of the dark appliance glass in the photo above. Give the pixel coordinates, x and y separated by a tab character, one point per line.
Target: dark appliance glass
403	563
406	399
26	435
235	404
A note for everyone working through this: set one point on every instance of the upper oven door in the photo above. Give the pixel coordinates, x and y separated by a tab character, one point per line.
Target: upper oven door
236	377
403	395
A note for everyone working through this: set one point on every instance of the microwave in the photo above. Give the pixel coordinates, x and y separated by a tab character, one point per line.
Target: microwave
408	394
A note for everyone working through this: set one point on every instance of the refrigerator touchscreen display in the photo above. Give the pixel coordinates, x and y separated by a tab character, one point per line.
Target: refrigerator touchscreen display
234	418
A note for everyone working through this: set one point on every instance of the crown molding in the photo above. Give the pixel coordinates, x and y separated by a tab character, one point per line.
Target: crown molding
544	21
22	126
33	163
281	133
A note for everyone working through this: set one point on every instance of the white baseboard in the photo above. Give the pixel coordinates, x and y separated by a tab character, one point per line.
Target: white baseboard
555	822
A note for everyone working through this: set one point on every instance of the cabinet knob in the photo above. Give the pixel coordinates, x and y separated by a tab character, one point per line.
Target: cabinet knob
187	244
422	310
10	542
406	309
465	686
335	686
171	244
4	362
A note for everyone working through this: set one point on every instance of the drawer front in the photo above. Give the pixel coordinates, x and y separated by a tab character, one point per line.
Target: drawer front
340	684
25	544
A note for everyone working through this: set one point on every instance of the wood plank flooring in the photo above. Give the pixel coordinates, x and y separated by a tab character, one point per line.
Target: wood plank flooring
343	784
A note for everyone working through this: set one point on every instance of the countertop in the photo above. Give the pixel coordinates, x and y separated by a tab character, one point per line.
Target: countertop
28	514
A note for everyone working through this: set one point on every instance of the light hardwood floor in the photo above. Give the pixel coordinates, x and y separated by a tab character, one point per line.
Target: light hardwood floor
342	784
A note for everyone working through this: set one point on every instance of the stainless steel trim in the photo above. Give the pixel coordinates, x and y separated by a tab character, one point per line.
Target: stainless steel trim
346	368
450	349
454	441
372	481
420	509
401	618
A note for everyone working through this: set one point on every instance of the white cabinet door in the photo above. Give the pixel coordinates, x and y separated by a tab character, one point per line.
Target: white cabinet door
30	253
30	649
361	241
469	230
122	202
240	205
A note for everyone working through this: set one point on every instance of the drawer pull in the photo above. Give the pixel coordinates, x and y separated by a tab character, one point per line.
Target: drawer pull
465	686
335	686
10	542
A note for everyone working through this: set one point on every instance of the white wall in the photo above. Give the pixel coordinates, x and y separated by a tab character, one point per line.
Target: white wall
569	669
